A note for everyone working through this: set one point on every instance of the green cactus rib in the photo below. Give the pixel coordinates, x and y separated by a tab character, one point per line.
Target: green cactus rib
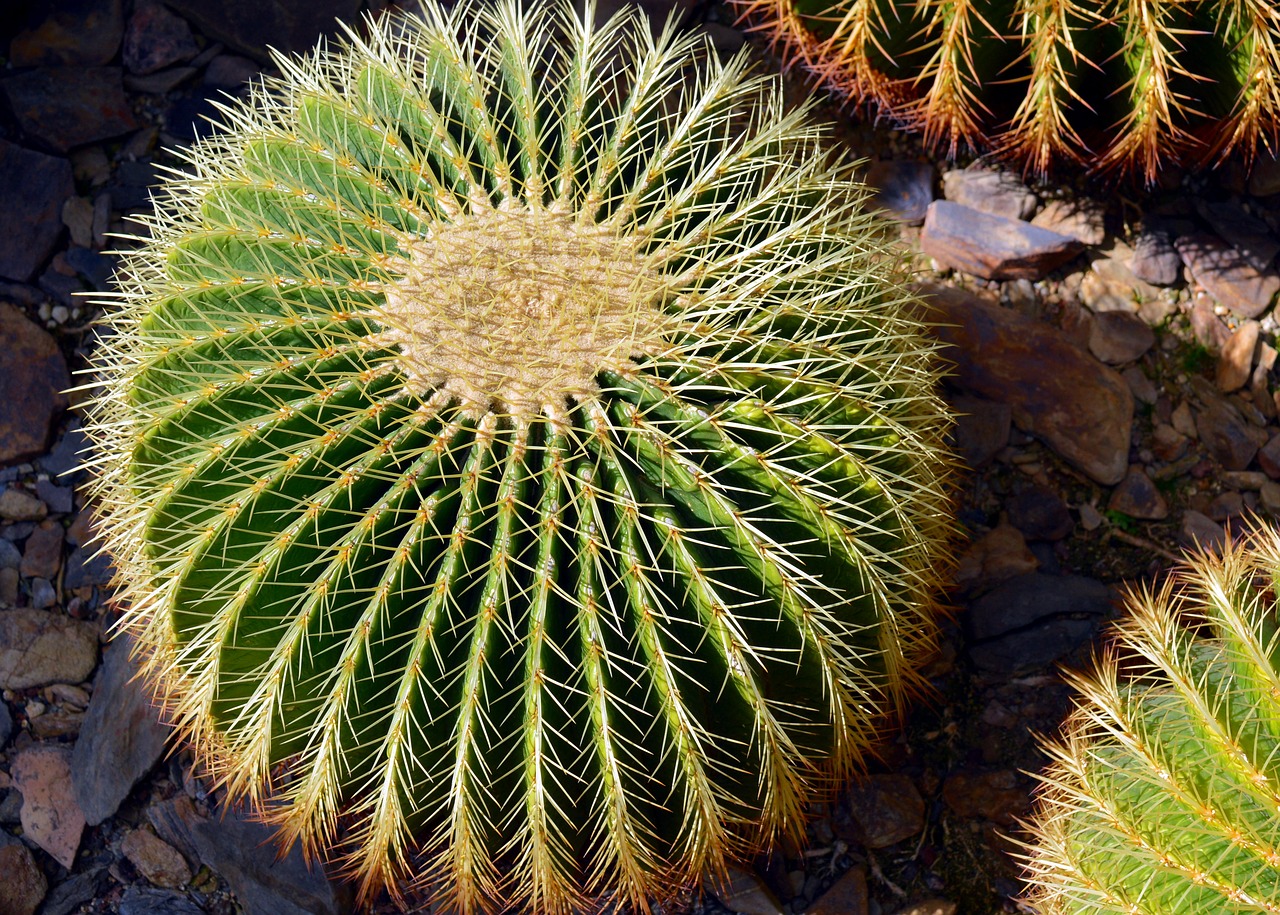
1121	87
1164	794
522	459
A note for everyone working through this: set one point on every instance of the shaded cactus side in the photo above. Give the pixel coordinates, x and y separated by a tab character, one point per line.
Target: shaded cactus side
1164	792
522	459
1127	86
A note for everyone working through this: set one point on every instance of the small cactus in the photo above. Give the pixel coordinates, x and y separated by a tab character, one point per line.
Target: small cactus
1164	793
1125	86
521	458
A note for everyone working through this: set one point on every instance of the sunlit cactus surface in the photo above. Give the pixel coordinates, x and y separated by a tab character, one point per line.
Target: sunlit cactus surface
1118	86
1164	793
521	459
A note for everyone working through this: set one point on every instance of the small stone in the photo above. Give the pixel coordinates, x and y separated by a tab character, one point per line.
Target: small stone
22	884
42	555
1243	479
77	216
997	555
38	647
76	32
1269	457
1227	276
1226	505
230	71
67	897
742	891
50	815
999	193
1235	363
992	247
1208	329
6	724
1137	497
1090	518
847	896
33	376
998	796
141	900
9	581
1269	498
10	555
1167	443
1155	259
1040	514
1084	220
60	500
1230	438
20	505
101	220
62	107
887	809
903	187
1202	532
33	187
43	595
156	38
90	165
1142	387
1184	420
156	860
1118	337
1247	234
981	430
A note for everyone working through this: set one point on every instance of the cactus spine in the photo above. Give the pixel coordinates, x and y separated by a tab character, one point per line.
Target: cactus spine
1164	794
1123	86
521	458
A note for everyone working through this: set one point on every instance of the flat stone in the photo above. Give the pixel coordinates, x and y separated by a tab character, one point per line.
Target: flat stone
156	860
250	26
1226	505
887	809
1081	408
1155	259
1199	531
1227	276
155	39
1083	219
141	900
22	884
981	429
77	216
1000	796
1040	514
68	896
62	107
50	815
1137	497
996	556
1110	285
38	647
10	555
999	193
1208	329
1235	362
904	187
121	739
87	566
847	896
33	187
42	554
1269	498
75	32
992	247
1117	337
20	505
64	460
33	377
1035	619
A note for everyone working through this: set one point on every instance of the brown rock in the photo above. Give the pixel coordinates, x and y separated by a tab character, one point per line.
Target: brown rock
997	555
997	796
981	430
42	555
886	809
1084	220
1117	337
1235	364
1199	531
33	376
77	32
32	189
1167	443
998	193
1227	275
50	815
847	896
20	505
155	859
743	891
22	883
156	39
38	647
1230	438
1269	457
1137	497
992	247
1208	328
1080	407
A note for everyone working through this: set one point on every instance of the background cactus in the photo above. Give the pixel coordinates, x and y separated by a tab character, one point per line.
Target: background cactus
522	463
1164	794
1126	85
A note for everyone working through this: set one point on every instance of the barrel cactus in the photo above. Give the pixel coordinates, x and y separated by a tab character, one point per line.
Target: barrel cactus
521	458
1123	86
1164	794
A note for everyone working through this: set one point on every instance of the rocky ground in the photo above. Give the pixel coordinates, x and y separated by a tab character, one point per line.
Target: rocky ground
1114	364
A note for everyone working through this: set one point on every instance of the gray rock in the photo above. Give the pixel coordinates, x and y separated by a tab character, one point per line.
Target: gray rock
1269	457
249	26
1155	259
6	724
38	648
155	39
69	895
1137	497
1227	275
992	247
76	32
43	594
1231	439
140	900
1199	531
65	458
10	555
33	187
230	71
999	193
62	107
59	499
87	566
121	739
904	187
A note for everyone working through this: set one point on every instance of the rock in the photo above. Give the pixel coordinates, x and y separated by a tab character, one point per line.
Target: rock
172	820
121	739
60	500
70	450
250	26
33	187
1040	514
1082	409
156	39
190	117
6	724
992	247
1227	276
1269	498
1034	619
1117	337
1232	441
22	884
1199	531
42	555
33	376
847	896
1142	387
1265	178
742	891
1109	285
1155	259
886	809
76	32
904	188
160	82
1248	234
999	193
155	859
1137	497
87	566
1269	457
929	907
20	505
1207	327
1084	220
981	429
1167	443
69	895
38	647
999	796
9	580
996	556
10	555
230	72
43	595
1235	363
50	815
62	107
140	900
77	216
1226	505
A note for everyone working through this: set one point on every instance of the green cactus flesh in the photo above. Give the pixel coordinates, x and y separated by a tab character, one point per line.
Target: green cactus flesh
1164	795
521	458
1124	86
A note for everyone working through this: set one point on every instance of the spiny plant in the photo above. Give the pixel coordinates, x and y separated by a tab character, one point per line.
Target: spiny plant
1164	793
521	458
1122	86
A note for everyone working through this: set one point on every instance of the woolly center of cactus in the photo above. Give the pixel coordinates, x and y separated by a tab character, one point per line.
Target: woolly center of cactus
518	312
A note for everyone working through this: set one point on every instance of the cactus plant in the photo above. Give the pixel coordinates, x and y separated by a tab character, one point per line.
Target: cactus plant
1125	86
521	458
1164	793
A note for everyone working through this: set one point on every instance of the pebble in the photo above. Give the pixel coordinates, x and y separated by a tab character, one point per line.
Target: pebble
1232	440
992	247
121	739
250	26
1084	220
1269	498
20	505
903	187
22	884
1155	259
33	376
1138	497
59	500
1200	531
1117	337
998	193
155	39
1226	505
38	647
1235	362
847	896
230	71
77	216
42	555
1269	457
1090	518
50	815
62	107
996	556
141	900
77	32
43	594
1227	276
1040	514
33	187
1081	408
743	891
1167	443
1142	387
1207	327
886	809
999	796
156	860
63	461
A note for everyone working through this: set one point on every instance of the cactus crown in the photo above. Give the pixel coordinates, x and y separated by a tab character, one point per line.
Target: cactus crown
1124	86
521	459
1164	794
